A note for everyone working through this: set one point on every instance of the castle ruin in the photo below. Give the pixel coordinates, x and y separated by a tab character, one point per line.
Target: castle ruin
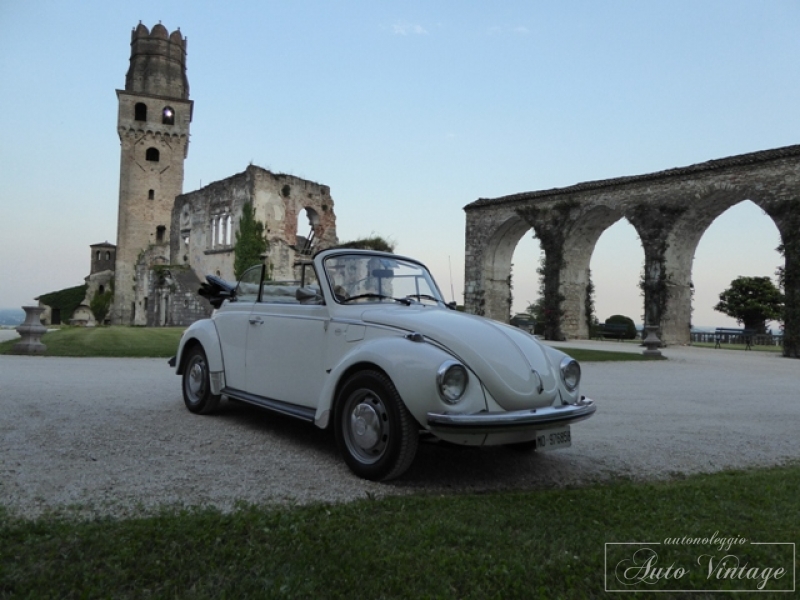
168	241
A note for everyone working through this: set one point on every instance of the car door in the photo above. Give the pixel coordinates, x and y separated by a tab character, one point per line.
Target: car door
232	323
285	351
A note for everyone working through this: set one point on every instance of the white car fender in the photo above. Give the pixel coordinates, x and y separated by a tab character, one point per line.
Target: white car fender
205	332
409	365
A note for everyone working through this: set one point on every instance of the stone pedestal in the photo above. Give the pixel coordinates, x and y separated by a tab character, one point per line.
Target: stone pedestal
31	331
651	342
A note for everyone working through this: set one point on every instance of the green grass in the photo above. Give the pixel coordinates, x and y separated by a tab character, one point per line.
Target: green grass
157	342
587	355
536	544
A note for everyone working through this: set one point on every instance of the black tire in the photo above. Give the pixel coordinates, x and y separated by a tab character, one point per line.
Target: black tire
196	384
375	433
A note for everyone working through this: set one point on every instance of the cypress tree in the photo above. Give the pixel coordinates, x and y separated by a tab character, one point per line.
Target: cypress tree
251	243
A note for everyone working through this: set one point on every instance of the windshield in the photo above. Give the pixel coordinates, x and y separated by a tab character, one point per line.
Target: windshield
371	278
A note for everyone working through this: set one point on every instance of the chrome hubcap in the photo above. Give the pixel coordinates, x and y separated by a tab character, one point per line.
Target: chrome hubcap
196	381
366	426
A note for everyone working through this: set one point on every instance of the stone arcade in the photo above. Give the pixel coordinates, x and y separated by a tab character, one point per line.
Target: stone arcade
670	211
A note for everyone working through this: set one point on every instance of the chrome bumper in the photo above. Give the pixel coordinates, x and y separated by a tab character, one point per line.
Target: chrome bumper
517	420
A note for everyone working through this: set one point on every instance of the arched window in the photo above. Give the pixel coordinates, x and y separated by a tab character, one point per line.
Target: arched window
168	116
151	195
98	255
140	111
152	154
160	230
101	290
228	230
306	245
108	255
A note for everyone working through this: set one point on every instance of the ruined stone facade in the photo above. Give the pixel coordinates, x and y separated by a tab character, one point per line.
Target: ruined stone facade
168	241
206	221
670	211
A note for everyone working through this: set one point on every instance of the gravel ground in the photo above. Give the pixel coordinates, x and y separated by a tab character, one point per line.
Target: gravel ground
111	436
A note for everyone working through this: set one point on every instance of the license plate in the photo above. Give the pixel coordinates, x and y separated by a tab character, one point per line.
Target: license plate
553	439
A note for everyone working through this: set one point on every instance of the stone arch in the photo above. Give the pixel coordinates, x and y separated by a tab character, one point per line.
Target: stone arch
670	211
749	238
616	272
309	220
526	261
682	244
582	239
496	264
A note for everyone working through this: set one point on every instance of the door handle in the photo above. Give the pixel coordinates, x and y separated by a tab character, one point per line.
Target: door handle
256	321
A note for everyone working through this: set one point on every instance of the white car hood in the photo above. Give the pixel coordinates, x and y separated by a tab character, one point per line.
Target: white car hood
511	364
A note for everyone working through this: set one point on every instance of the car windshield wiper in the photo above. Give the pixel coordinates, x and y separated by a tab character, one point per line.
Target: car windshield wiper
424	297
405	301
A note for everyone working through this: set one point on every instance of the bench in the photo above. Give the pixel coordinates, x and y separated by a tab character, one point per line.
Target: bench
618	330
724	334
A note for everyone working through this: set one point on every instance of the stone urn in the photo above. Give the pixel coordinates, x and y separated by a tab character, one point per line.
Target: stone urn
651	342
31	331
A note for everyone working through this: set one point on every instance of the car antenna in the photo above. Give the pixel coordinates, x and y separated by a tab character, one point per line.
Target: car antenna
452	291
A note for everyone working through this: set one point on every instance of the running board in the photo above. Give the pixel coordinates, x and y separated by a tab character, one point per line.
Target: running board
285	408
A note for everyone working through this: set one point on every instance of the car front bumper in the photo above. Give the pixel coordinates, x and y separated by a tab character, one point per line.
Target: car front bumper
517	420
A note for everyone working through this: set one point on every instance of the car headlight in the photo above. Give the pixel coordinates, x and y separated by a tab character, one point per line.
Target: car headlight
451	381
570	373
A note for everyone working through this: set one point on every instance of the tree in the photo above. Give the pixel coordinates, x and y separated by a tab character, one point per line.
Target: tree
780	272
630	332
251	244
752	301
588	305
101	303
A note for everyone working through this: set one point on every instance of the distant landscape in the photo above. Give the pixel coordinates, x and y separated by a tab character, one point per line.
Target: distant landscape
11	317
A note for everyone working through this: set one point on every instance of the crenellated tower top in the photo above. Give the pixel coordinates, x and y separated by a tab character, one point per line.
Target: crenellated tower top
158	63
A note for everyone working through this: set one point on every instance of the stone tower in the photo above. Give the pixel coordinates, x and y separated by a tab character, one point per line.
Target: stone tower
153	126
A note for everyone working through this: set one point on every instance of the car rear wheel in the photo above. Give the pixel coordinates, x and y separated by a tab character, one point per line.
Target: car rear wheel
196	384
375	433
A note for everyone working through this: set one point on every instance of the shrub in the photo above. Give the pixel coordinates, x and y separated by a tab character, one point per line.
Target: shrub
101	303
630	334
64	302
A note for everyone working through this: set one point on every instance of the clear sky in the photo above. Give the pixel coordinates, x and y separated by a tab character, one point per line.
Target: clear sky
408	111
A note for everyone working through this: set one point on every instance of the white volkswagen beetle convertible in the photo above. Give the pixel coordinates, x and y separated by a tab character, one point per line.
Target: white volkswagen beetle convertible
365	343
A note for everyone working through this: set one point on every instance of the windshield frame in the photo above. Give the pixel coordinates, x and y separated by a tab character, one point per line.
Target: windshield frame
355	277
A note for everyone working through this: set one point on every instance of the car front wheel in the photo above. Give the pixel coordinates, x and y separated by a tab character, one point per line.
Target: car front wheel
375	433
196	384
